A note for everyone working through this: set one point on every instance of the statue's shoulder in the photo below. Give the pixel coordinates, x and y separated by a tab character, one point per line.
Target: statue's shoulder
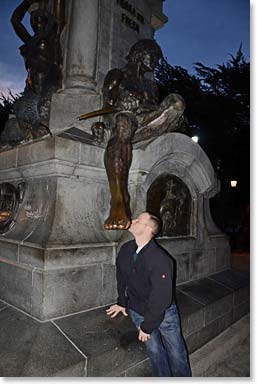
149	83
114	75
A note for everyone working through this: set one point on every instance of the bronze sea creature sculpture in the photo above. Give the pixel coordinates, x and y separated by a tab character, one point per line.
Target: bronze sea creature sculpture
41	54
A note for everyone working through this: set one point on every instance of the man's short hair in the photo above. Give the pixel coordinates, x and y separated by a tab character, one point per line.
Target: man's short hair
156	222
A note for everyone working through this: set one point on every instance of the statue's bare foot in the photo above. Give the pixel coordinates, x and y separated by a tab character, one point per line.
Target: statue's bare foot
118	219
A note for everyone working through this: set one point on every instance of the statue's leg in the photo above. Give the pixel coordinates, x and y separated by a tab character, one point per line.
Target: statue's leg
118	156
163	120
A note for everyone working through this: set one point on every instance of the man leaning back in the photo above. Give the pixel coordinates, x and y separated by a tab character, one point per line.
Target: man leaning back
146	288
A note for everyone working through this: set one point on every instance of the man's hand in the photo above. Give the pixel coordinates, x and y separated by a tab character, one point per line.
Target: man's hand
115	309
142	336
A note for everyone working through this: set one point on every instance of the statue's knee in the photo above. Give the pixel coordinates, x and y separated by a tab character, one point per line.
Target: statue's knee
122	119
174	100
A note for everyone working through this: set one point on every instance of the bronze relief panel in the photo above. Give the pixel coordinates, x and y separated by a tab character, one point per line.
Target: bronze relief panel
10	198
170	198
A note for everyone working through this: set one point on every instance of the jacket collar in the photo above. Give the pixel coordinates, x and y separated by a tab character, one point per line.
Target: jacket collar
149	245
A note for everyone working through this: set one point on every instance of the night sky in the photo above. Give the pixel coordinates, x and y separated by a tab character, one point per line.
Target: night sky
198	30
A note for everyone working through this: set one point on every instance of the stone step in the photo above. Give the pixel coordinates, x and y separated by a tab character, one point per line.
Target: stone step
207	361
92	344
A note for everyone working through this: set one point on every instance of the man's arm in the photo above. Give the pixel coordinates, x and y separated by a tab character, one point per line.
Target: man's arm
161	295
122	298
121	286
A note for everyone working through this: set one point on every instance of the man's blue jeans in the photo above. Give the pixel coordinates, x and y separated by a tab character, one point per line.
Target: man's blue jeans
166	347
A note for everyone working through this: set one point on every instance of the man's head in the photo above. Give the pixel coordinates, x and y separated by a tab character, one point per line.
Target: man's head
146	225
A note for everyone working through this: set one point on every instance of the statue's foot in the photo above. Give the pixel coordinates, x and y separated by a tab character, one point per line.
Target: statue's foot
116	220
40	132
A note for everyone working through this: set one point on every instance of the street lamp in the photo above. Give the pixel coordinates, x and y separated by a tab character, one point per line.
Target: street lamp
195	139
233	183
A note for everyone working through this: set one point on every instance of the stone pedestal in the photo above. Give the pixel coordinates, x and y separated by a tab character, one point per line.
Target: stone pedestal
97	37
56	258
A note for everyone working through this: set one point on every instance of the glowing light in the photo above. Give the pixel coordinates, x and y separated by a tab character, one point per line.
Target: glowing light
233	183
195	139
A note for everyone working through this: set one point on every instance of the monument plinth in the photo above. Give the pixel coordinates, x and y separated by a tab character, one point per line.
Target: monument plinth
56	256
55	236
56	247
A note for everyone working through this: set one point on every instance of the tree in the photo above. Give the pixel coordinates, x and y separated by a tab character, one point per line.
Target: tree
227	88
6	103
218	111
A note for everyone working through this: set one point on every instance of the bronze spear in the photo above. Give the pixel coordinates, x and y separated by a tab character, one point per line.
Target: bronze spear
98	112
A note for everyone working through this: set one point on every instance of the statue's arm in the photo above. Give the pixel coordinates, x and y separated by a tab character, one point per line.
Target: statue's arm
16	19
151	96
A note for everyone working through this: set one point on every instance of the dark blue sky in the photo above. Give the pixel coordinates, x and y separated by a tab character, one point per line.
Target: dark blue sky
198	30
204	30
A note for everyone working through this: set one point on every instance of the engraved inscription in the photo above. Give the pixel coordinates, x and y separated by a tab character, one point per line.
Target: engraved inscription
132	21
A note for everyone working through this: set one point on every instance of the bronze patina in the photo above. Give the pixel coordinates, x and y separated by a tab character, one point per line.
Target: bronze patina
10	198
170	198
42	58
135	115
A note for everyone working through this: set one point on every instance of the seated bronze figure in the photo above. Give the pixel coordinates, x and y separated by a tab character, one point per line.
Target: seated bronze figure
137	116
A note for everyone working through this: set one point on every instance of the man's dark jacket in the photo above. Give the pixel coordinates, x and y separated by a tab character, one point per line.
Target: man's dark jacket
146	285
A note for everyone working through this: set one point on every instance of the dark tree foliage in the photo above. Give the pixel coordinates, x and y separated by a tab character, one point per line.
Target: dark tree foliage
6	103
217	110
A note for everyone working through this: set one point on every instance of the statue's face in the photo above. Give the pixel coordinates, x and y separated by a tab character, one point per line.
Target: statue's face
149	60
38	24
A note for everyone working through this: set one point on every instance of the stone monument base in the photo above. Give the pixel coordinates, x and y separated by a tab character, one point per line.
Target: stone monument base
56	258
57	281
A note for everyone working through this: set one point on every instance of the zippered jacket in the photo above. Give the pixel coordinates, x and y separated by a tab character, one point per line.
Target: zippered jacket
146	285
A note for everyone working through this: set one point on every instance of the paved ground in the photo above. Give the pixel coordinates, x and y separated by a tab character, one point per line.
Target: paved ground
235	364
227	355
236	361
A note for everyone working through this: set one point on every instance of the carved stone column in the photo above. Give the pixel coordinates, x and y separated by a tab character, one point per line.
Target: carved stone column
82	45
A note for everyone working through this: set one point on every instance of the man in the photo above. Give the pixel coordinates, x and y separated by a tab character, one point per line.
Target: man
145	282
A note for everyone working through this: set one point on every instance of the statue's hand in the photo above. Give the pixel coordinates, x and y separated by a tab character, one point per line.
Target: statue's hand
98	131
130	101
144	108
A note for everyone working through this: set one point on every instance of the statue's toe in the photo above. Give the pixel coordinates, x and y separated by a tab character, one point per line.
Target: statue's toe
111	223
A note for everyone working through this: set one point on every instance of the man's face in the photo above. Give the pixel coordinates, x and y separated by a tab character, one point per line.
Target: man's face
140	225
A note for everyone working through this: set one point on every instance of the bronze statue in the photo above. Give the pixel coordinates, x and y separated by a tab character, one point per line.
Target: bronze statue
168	209
41	55
137	115
169	197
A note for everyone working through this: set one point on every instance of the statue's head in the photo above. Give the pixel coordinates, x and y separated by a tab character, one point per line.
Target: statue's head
147	52
38	21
